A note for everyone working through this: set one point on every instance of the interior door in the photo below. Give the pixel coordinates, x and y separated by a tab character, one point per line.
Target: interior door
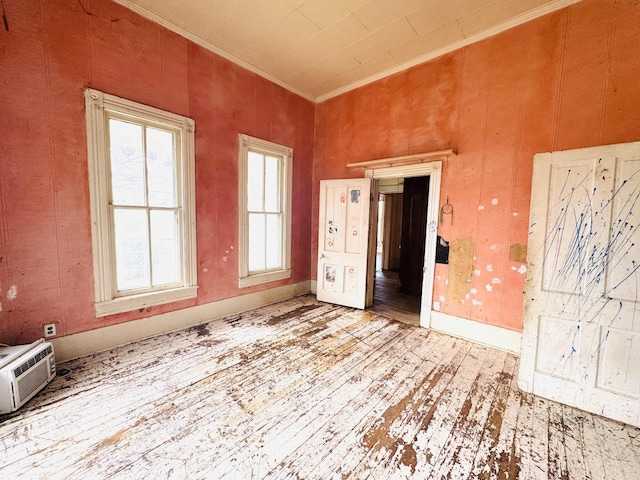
414	233
581	335
343	240
392	231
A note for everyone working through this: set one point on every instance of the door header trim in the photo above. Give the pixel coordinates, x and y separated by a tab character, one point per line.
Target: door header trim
404	160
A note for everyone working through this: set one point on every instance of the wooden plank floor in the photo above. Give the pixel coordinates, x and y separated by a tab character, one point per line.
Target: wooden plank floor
389	301
304	390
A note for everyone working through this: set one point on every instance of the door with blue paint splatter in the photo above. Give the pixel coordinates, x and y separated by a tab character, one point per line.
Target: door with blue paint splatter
581	326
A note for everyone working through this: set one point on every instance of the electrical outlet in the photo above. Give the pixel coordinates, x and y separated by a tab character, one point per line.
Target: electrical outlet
50	330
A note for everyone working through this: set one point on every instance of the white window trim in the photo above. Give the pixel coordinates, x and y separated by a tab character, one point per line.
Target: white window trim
246	142
97	105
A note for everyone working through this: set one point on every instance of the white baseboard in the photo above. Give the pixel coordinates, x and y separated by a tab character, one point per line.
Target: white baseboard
83	343
482	333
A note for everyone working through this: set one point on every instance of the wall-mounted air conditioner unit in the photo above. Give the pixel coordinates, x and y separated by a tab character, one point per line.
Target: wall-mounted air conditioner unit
24	371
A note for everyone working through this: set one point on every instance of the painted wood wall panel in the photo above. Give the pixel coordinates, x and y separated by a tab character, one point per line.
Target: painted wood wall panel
584	76
565	80
621	104
52	50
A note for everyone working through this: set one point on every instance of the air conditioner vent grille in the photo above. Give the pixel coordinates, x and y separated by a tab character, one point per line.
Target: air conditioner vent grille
32	381
31	362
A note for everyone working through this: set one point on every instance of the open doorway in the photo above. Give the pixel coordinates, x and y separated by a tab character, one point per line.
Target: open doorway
423	165
408	166
400	247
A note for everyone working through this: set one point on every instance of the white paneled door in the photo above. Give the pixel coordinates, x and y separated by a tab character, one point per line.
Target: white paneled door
343	240
581	333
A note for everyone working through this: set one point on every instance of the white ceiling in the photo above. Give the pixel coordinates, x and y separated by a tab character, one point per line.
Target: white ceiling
321	48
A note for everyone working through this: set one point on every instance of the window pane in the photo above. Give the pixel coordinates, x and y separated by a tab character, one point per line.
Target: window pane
132	249
274	242
256	242
255	182
165	247
272	184
127	163
161	168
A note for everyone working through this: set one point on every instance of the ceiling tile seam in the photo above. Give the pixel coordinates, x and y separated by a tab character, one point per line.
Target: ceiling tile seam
328	56
311	20
344	48
283	53
209	46
406	17
371	33
515	21
476	37
460	28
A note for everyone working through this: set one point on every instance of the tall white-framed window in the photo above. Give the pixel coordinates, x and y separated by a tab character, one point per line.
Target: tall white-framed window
142	190
265	211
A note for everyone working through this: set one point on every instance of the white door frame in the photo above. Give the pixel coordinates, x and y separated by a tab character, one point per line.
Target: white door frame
434	171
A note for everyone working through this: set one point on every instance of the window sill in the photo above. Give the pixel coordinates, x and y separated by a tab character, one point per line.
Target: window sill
264	278
137	302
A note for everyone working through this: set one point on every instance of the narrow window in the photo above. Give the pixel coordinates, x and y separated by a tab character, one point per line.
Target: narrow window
265	211
142	186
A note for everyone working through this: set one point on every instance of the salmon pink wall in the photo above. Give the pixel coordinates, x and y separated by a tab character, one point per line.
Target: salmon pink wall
567	80
51	51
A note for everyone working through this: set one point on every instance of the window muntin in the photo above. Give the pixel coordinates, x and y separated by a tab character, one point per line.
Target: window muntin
265	209
141	164
144	205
